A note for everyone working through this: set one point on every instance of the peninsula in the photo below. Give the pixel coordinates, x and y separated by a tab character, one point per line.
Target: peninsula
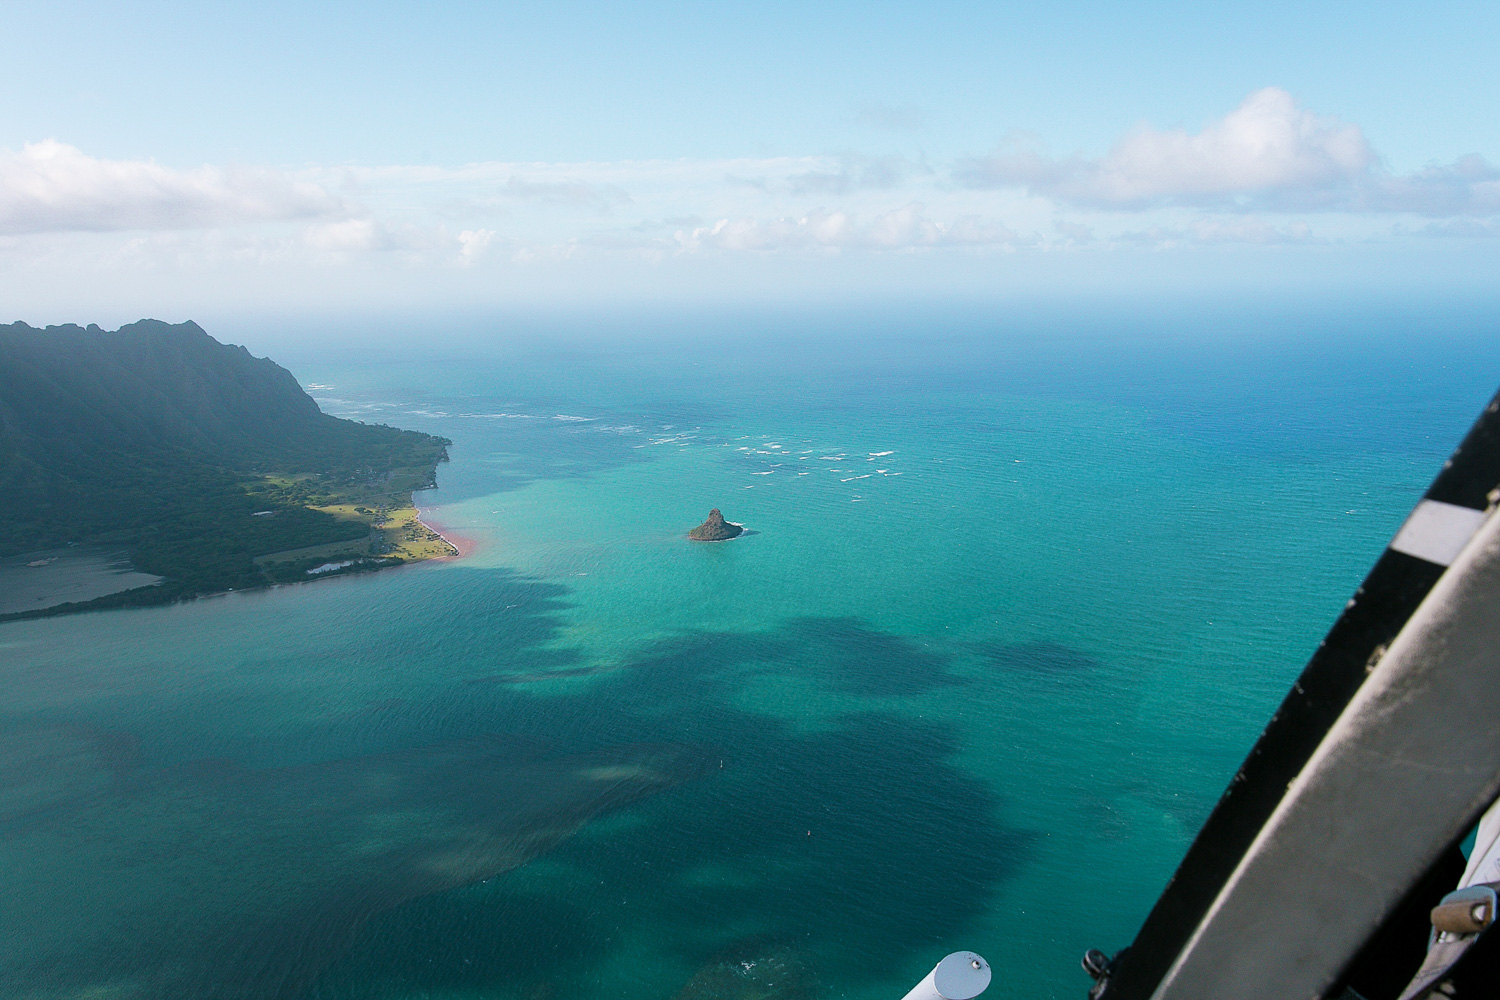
715	529
203	466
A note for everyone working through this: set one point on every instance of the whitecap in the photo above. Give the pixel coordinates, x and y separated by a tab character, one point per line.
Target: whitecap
879	454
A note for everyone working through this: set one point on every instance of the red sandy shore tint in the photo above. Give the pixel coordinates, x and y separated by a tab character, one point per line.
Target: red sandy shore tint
465	546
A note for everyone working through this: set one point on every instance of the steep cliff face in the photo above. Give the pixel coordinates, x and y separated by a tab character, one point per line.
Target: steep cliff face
715	529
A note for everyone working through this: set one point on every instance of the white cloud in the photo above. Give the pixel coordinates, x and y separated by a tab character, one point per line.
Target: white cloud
1252	179
1266	146
854	173
50	186
1210	231
412	243
901	228
1468	186
1243	230
566	192
1268	154
349	235
473	242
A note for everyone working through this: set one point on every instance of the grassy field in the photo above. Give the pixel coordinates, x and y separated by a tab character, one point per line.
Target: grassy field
406	536
395	533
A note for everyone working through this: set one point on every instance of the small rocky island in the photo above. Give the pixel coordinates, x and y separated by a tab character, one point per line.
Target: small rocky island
715	529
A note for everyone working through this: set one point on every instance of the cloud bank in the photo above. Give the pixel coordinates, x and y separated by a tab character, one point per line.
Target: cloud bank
1269	173
1267	154
903	228
53	187
1266	144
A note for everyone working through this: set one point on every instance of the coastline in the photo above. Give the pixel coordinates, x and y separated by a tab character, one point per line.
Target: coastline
403	551
462	545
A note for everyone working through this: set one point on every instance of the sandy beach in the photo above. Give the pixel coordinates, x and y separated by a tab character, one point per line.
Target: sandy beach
465	546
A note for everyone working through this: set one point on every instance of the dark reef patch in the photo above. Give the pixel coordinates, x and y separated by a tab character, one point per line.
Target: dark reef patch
859	839
667	792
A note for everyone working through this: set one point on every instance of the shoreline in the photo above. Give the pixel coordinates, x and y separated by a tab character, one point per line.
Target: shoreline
462	545
162	593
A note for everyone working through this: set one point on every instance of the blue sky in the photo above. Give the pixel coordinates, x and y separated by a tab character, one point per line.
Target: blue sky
171	158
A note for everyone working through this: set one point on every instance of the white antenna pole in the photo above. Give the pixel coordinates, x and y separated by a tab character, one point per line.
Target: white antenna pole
963	975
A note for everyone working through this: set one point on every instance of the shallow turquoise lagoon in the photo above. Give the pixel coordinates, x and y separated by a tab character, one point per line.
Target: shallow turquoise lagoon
1006	617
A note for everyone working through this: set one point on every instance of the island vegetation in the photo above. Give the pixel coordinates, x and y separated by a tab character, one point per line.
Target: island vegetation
212	468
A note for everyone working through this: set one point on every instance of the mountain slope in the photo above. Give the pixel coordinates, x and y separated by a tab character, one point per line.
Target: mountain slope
161	440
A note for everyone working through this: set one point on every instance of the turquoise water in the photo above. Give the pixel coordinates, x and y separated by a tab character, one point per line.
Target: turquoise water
1008	613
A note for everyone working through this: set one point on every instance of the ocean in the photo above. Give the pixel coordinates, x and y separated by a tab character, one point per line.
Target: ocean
1010	607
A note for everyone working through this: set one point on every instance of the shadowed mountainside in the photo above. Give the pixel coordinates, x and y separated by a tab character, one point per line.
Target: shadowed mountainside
159	440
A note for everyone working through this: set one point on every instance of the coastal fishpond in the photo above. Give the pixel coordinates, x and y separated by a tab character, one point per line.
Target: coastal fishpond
35	581
1010	613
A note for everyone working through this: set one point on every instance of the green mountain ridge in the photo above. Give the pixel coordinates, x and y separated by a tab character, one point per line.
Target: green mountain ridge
161	440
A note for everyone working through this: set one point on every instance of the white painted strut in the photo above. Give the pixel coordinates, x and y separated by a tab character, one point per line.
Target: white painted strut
963	975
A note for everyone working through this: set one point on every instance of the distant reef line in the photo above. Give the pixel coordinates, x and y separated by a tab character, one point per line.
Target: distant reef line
211	468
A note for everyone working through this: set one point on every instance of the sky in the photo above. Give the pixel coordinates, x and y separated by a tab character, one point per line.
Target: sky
223	159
